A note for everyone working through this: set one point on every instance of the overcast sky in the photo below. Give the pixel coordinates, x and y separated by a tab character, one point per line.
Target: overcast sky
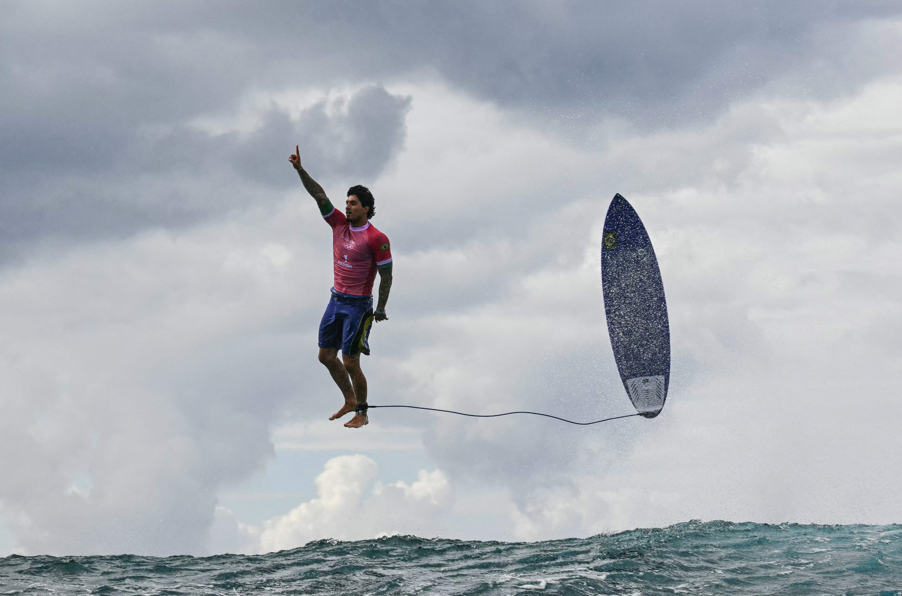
163	272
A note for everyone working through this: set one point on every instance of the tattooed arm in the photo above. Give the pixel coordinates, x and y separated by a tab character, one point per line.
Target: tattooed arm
316	191
384	289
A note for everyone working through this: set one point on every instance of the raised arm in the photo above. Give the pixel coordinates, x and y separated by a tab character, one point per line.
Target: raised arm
316	191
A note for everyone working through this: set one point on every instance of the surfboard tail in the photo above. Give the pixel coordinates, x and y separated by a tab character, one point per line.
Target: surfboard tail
647	394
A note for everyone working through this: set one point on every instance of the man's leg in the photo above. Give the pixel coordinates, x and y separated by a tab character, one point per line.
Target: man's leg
329	357
352	365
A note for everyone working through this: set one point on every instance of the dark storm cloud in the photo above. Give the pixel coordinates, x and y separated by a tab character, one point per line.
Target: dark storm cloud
96	95
349	139
651	62
180	176
97	100
345	138
655	62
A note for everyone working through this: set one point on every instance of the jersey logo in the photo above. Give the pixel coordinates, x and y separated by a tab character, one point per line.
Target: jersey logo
384	246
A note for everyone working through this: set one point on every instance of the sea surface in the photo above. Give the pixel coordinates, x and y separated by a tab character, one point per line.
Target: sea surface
689	558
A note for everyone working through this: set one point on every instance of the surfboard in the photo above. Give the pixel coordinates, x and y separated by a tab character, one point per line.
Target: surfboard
635	308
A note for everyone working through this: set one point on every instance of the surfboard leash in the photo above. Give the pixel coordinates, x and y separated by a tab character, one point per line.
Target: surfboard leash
364	407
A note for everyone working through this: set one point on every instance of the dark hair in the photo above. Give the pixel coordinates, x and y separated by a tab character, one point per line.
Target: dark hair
365	197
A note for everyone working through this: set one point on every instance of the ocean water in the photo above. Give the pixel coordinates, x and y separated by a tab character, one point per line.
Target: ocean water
689	558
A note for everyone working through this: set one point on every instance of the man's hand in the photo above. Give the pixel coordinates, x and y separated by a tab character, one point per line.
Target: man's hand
296	159
380	315
316	191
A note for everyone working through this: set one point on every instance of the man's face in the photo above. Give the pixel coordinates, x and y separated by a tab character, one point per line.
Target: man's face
354	210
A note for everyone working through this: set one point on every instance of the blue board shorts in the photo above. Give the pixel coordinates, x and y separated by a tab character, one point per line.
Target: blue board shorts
346	324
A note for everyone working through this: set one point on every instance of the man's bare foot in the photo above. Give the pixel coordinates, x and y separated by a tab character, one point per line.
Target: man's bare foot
357	421
347	408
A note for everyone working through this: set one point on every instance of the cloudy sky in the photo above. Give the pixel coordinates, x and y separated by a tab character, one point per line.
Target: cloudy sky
163	272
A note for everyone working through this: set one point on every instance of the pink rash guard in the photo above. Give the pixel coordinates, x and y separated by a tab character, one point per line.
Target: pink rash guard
356	253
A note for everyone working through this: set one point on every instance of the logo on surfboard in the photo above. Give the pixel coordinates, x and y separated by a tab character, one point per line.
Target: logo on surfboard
610	240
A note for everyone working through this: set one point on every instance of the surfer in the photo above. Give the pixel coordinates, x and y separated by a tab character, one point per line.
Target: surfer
359	250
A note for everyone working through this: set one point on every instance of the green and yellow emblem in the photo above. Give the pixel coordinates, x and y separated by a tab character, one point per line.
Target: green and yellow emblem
610	240
384	246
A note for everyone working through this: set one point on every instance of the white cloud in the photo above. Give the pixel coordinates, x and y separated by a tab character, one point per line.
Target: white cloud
347	508
145	375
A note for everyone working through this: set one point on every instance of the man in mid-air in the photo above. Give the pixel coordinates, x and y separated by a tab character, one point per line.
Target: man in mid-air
358	251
